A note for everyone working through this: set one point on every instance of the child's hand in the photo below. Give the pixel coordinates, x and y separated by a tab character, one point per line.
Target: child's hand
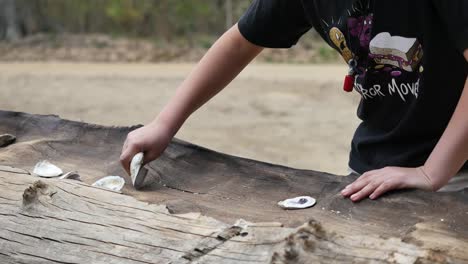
151	139
374	183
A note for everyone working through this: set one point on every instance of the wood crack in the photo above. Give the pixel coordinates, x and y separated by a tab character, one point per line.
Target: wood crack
240	260
209	244
123	257
11	240
108	242
181	190
45	258
160	247
33	236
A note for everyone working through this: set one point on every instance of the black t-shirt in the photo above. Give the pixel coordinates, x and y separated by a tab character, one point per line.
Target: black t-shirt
410	67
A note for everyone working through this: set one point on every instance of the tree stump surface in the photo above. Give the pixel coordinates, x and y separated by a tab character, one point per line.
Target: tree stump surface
189	209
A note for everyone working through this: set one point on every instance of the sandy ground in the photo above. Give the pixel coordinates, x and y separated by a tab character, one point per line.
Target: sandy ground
295	115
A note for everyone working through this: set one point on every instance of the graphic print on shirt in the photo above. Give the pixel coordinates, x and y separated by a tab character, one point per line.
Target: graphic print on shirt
403	53
350	35
361	28
339	40
399	57
384	65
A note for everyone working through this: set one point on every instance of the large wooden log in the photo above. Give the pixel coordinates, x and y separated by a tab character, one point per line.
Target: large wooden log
64	221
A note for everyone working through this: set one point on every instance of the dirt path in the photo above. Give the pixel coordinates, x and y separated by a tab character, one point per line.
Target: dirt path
288	114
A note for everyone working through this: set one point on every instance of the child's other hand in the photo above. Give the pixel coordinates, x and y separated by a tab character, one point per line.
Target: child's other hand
151	139
374	183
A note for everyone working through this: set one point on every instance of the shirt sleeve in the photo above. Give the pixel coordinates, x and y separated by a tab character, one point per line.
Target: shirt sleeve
274	23
455	15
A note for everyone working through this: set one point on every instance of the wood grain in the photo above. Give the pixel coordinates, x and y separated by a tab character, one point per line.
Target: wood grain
189	210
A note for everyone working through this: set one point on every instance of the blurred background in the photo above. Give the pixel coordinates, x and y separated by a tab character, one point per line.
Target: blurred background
117	62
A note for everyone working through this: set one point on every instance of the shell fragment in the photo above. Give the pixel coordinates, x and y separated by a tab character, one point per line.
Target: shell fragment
300	202
72	175
6	139
113	183
137	171
46	169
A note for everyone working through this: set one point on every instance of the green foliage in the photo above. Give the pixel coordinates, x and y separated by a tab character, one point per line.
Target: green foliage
184	23
326	53
122	12
167	19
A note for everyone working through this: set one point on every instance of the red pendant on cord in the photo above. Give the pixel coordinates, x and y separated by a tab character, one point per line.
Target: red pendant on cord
348	84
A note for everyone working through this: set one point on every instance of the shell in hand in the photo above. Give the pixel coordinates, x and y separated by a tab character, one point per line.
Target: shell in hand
137	171
46	169
114	183
300	202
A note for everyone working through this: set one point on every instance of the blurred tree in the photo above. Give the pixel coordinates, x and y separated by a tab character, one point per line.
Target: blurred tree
229	14
125	14
164	19
9	22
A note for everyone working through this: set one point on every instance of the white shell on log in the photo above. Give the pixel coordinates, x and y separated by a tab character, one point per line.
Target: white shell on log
300	202
46	169
114	183
137	171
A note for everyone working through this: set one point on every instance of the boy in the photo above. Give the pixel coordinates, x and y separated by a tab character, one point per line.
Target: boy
408	60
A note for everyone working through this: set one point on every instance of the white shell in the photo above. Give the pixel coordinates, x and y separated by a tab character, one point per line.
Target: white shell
114	183
300	202
135	165
137	171
46	169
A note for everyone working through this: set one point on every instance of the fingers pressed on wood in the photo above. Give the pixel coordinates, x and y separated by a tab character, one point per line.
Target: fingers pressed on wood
383	188
355	187
364	192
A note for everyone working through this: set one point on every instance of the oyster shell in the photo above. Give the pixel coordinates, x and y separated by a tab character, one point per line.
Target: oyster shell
137	171
72	175
300	202
6	139
46	169
114	183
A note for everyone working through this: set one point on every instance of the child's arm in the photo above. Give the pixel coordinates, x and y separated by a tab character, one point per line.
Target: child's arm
224	61
451	152
449	155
